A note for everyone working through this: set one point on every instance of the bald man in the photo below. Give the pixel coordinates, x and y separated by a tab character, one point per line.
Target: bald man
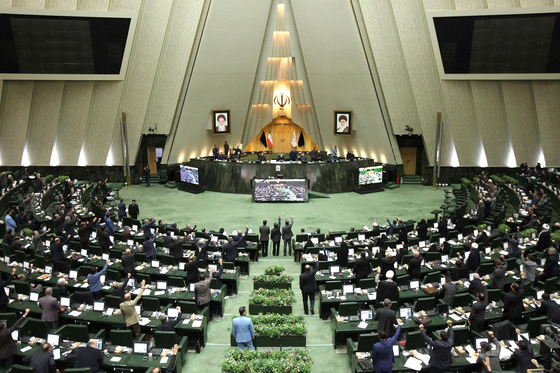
131	317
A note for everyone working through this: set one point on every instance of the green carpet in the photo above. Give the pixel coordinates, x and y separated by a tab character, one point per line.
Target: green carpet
231	211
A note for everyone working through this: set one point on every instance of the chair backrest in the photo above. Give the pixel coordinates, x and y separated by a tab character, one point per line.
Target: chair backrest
176	281
188	307
432	256
76	332
95	250
113	275
17	368
406	259
214	283
550	285
150	304
534	325
166	260
115	254
22	287
434	238
80	370
414	340
143	276
485	269
228	265
121	338
82	297
83	271
165	339
367	283
461	336
494	295
36	328
10	318
333	285
348	309
140	257
403	280
112	301
425	304
432	277
366	342
39	261
462	299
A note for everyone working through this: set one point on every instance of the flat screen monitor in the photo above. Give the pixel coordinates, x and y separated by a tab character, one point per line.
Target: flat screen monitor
442	308
334	269
48	270
414	284
99	343
478	341
471	276
105	257
315	240
99	306
131	282
65	301
161	285
140	347
280	190
445	258
212	267
34	297
53	339
73	274
370	175
366	314
191	288
405	313
361	237
15	335
182	266
172	313
338	239
347	289
189	175
540	294
138	309
526	335
396	350
155	263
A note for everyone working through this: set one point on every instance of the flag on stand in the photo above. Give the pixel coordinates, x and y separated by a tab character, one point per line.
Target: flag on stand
269	139
294	140
263	139
301	141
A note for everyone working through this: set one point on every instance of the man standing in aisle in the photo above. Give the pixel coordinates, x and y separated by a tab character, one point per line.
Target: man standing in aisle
133	210
440	360
242	330
287	235
276	235
147	175
308	286
122	210
382	355
131	318
264	230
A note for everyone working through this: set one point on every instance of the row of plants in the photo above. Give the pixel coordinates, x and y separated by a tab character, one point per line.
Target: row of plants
274	279
274	325
285	361
272	297
274	270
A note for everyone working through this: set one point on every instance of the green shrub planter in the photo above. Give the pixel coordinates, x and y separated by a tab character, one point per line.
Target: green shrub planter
271	285
281	341
255	309
293	340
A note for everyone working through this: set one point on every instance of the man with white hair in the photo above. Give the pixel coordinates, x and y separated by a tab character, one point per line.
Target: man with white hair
386	289
477	287
544	238
415	266
551	265
89	357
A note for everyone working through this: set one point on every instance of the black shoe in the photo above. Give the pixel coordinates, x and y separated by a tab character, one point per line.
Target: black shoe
312	312
307	313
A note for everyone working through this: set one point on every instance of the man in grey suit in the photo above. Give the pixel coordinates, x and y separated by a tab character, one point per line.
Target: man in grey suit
51	308
499	276
42	361
264	231
287	235
449	290
386	318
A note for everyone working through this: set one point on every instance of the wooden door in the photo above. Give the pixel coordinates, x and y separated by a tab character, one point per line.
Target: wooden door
408	156
152	160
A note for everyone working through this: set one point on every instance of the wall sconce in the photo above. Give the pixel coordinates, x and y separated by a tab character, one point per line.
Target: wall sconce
282	100
409	130
153	130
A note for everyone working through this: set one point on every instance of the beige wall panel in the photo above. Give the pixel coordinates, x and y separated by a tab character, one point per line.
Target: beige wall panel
127	6
492	121
547	102
43	121
390	63
439	4
62	4
177	47
523	128
462	121
14	116
6	3
76	102
104	109
499	4
424	79
223	76
152	25
99	5
469	4
557	2
535	3
34	4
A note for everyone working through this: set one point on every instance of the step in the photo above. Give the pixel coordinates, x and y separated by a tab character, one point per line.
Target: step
313	194
391	185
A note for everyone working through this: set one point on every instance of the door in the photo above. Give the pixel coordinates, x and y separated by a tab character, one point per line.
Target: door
152	161
408	156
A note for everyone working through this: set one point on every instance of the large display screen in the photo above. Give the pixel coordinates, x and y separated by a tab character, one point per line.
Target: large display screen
370	175
280	190
189	175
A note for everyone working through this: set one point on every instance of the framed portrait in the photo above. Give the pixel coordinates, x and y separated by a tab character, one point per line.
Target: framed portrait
222	123
342	122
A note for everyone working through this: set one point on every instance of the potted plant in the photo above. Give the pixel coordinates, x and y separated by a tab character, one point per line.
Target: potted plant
293	361
275	330
272	281
271	301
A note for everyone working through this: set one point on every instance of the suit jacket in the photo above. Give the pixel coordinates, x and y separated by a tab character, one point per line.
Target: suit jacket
169	326
387	289
415	268
386	318
122	209
104	240
192	271
57	251
494	356
342	255
264	231
476	287
242	329
230	252
119	292
513	303
441	351
51	308
176	248
550	309
529	268
202	291
307	282
133	211
7	344
149	247
129	312
362	268
57	223
128	263
544	241
551	266
524	357
42	361
38	243
275	233
478	312
89	357
499	276
422	230
69	227
387	264
287	233
480	212
449	291
382	353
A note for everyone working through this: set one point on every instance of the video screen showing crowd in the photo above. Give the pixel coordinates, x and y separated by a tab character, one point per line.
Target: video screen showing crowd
284	190
189	175
370	175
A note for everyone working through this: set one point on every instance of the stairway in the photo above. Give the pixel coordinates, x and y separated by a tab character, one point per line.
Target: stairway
154	179
412	179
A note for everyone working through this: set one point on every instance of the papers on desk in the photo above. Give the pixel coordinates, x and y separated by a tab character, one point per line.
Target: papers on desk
106	287
144	321
470	350
186	321
164	270
25	349
471	359
423	358
116	359
372	296
455	317
75	313
164	360
197	323
161	292
413	363
363	325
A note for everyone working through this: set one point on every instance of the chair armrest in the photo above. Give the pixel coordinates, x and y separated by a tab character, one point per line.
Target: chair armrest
100	334
140	337
351	347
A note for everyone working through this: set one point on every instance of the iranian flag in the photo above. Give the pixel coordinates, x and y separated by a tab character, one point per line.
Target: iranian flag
269	139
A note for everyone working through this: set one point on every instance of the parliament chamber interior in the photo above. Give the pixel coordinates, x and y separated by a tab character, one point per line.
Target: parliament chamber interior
279	186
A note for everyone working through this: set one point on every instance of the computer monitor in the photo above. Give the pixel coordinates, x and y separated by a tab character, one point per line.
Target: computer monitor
172	313
471	276
540	294
15	335
155	263
366	314
415	284
99	343
161	285
182	266
48	270
405	313
73	274
99	306
315	240
105	257
131	282
56	353
212	267
445	258
350	252
191	288
83	252
33	297
25	265
138	309
102	279
361	237
65	301
442	281
334	269
526	335
347	289
442	308
478	341
441	240
53	339
338	239
422	244
140	347
396	350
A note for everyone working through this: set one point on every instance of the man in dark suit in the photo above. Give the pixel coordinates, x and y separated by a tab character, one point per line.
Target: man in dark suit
147	175
387	263
89	357
276	235
287	235
308	286
191	267
121	210
84	232
476	318
362	268
386	318
176	247
230	252
69	225
57	250
119	290
201	249
440	360
128	262
7	344
57	223
551	265
476	286
51	308
149	248
133	210
499	276
42	361
449	290
169	325
342	255
415	266
480	212
387	289
513	301
550	309
103	238
264	231
147	227
524	355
